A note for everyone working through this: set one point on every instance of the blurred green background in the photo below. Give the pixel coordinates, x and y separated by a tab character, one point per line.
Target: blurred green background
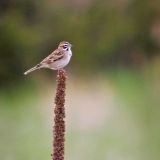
113	90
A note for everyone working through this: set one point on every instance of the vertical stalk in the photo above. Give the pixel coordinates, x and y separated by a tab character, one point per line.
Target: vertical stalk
59	123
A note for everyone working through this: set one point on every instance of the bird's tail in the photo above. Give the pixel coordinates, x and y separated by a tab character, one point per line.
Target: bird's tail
38	66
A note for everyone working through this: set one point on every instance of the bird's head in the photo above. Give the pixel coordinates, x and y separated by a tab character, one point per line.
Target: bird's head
64	45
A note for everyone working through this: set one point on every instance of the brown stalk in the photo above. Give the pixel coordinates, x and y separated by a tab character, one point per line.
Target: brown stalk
59	123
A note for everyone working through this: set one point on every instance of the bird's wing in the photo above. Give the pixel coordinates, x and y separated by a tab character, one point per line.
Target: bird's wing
54	56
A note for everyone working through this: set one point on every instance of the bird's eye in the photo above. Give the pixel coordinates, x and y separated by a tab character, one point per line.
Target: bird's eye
65	47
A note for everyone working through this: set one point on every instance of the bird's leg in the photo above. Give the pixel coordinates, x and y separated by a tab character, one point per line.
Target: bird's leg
58	73
62	71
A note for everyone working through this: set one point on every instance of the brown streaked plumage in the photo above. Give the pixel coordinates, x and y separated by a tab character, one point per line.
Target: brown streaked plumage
55	55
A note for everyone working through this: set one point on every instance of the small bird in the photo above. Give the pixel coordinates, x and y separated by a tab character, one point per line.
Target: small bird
58	59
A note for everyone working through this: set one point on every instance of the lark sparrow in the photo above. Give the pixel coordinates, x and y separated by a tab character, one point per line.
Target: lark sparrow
57	59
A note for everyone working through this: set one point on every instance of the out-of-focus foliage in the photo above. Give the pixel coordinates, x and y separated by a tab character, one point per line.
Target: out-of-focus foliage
113	90
104	33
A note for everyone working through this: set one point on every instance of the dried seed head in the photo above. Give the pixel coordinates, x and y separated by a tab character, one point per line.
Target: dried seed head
59	123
